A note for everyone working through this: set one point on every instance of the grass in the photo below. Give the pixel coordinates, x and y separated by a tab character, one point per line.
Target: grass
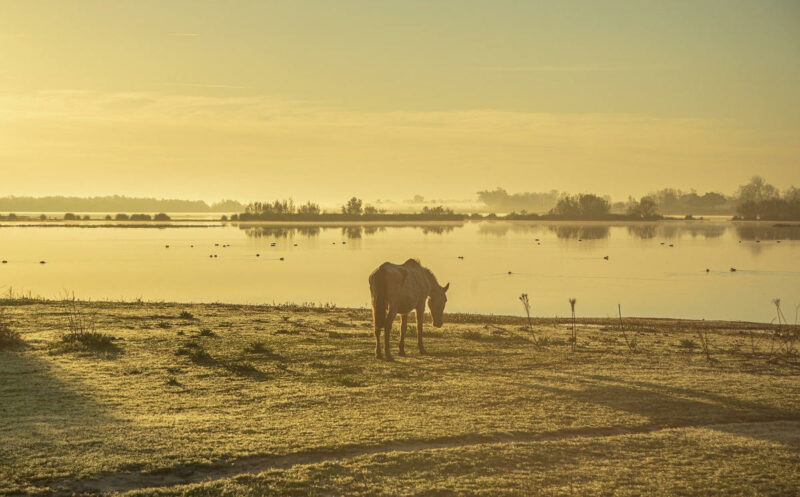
9	339
259	411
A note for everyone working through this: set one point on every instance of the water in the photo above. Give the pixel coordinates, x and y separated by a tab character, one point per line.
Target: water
643	272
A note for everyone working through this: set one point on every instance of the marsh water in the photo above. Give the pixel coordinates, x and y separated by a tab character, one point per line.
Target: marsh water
655	270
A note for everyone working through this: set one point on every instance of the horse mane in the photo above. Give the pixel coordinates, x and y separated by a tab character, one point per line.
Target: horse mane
415	263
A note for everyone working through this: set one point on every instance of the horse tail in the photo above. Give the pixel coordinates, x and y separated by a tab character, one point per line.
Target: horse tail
378	287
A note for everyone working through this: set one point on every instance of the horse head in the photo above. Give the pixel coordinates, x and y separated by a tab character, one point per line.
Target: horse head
436	303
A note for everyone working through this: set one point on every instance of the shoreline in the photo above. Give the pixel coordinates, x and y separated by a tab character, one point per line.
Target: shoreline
449	318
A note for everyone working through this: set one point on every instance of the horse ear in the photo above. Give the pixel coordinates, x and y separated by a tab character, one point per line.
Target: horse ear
446	287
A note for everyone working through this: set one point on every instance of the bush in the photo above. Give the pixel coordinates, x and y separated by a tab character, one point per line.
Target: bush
70	217
8	337
121	217
88	340
161	217
140	217
81	334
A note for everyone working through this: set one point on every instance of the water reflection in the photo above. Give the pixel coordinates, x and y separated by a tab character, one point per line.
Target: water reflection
280	232
351	232
643	231
753	232
581	232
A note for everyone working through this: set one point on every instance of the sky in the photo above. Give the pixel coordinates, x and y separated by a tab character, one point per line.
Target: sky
321	100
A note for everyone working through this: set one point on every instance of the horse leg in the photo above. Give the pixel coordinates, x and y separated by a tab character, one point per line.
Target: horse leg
403	326
378	353
420	317
386	330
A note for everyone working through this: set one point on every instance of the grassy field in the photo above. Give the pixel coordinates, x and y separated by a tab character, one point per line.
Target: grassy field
173	399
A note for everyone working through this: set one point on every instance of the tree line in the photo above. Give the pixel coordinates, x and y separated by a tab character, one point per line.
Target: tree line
113	203
353	209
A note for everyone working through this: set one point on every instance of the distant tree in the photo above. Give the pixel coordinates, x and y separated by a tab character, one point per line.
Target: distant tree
86	218
227	206
438	210
567	206
353	207
593	206
757	190
309	209
645	208
369	209
161	217
500	200
42	217
70	216
121	217
108	217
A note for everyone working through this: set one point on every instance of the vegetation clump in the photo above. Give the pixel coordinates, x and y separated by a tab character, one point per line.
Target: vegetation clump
81	334
9	338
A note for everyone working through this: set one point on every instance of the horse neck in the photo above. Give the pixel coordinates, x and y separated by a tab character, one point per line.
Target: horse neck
430	279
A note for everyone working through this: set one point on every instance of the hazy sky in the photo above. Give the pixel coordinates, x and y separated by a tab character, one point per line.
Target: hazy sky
385	99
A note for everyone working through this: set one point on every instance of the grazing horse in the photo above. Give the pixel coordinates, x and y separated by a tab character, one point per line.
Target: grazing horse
400	289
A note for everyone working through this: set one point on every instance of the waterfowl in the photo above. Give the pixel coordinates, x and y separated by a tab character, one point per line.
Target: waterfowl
605	257
509	272
460	256
216	244
295	245
580	239
191	246
5	261
344	243
42	262
281	258
166	246
708	270
733	269
258	255
671	245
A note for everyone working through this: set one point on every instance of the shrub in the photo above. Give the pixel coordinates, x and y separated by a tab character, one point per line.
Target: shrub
198	355
186	315
161	217
8	337
121	217
82	335
206	332
70	217
88	340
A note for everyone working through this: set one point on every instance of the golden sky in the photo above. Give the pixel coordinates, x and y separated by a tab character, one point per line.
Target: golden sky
324	99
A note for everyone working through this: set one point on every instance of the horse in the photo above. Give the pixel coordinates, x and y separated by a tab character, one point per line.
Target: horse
400	289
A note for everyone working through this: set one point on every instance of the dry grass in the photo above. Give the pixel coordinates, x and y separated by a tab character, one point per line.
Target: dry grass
479	415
